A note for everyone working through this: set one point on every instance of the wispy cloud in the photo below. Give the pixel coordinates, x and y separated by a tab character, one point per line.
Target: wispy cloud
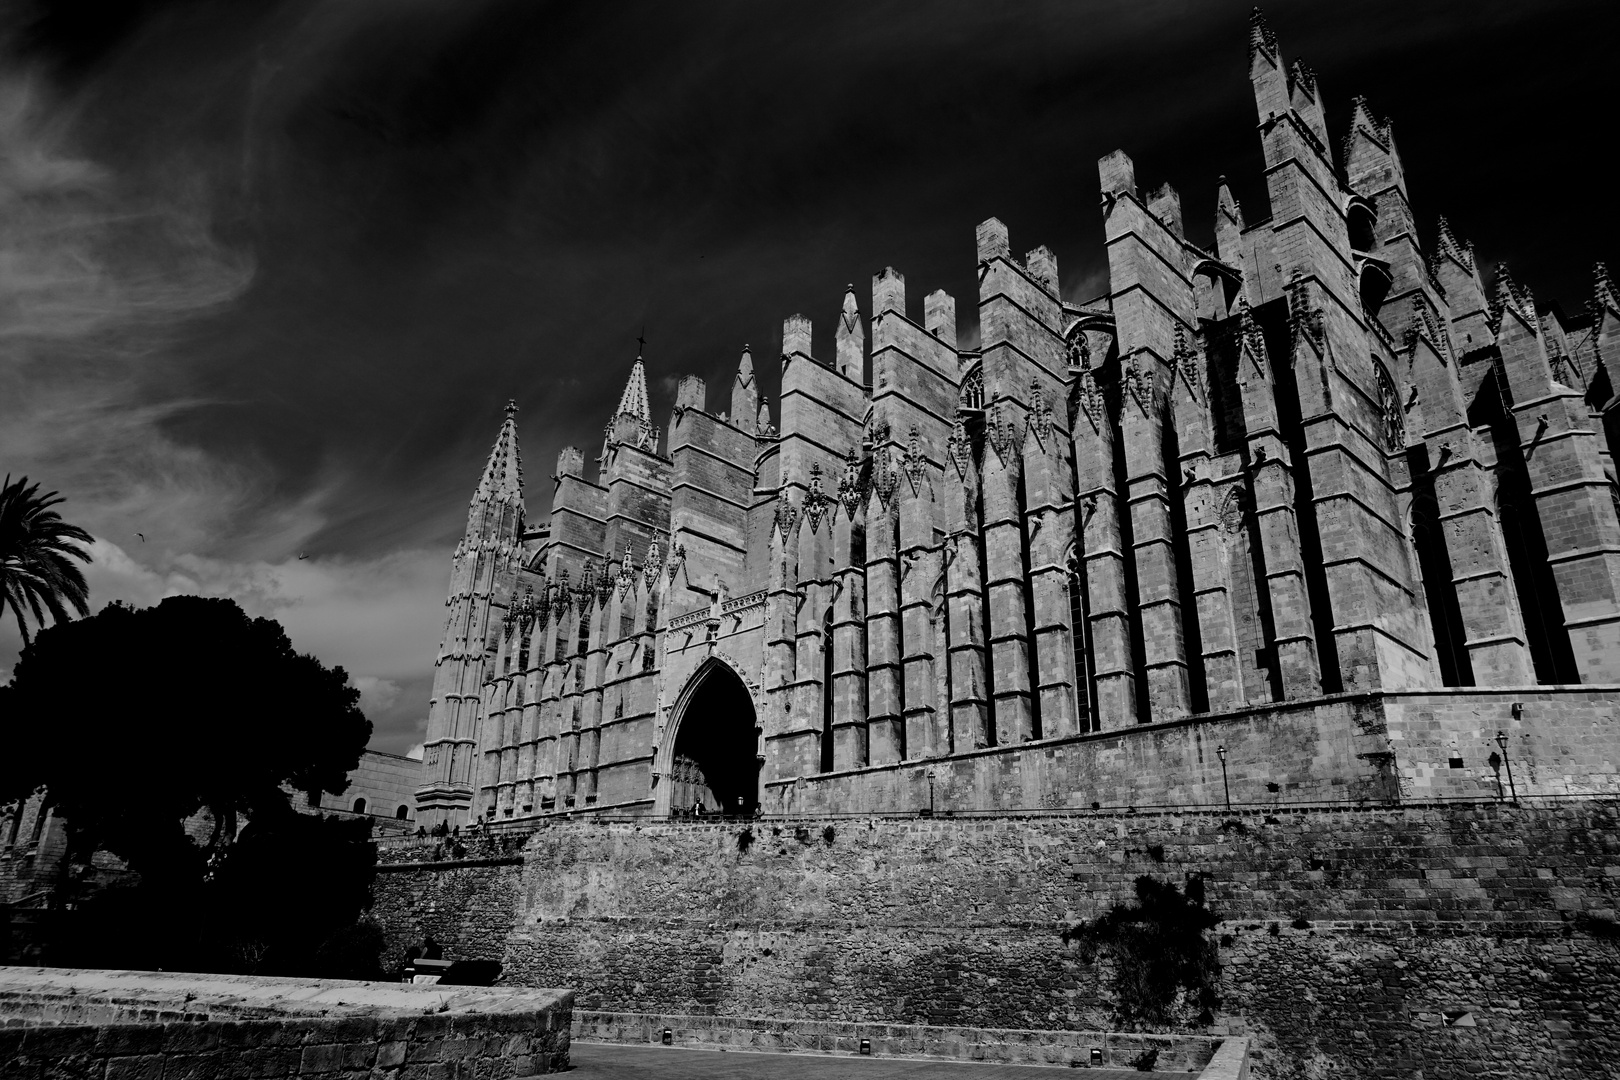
94	279
378	618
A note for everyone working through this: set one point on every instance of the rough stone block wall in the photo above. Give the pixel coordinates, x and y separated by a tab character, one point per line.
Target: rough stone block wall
111	1025
1353	942
464	895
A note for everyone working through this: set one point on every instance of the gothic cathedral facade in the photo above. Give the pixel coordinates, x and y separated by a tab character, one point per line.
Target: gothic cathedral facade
1313	516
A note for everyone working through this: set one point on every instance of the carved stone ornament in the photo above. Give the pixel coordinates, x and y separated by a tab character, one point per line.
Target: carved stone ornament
913	463
1140	385
1005	437
957	448
852	488
1039	421
1304	317
627	572
561	594
786	516
1233	509
649	570
816	500
1389	403
1088	396
1254	342
885	478
1185	360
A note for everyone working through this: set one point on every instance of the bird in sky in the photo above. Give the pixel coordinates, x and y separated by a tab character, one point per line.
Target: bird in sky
303	554
142	536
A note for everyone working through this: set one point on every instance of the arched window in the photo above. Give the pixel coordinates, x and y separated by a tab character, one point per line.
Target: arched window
1389	403
584	629
970	398
403	813
359	806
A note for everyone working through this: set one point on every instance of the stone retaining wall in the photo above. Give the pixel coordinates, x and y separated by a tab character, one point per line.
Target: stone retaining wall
1353	940
110	1025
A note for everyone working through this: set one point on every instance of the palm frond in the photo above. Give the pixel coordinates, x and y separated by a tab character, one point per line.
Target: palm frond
37	552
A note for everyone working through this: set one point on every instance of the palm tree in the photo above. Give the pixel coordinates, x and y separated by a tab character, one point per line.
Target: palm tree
36	549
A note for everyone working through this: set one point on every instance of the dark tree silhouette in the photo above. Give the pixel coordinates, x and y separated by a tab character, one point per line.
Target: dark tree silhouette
37	549
136	720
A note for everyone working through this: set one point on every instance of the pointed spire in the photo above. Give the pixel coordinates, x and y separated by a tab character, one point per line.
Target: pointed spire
850	338
1228	224
763	425
1261	39
1303	77
1226	204
1452	248
1509	293
503	475
1605	295
1361	117
745	395
633	402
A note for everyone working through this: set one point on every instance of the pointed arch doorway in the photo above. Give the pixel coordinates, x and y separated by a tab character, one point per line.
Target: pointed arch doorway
710	758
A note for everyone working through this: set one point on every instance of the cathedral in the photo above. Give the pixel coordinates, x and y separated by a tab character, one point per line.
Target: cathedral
1325	513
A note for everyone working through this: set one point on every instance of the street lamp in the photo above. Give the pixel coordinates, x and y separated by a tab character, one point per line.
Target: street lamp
1220	752
1502	741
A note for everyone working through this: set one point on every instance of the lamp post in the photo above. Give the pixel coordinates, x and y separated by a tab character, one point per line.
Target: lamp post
1220	752
931	774
1495	762
1502	741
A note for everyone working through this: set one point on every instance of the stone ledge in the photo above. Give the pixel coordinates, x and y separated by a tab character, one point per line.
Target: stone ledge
95	1024
1187	1055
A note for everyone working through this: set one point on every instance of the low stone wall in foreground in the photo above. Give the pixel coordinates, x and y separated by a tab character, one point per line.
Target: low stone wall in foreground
60	1024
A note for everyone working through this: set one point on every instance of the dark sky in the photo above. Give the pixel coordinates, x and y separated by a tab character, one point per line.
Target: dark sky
270	270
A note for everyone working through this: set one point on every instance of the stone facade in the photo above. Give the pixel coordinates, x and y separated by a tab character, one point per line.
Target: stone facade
1438	940
381	786
1316	495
